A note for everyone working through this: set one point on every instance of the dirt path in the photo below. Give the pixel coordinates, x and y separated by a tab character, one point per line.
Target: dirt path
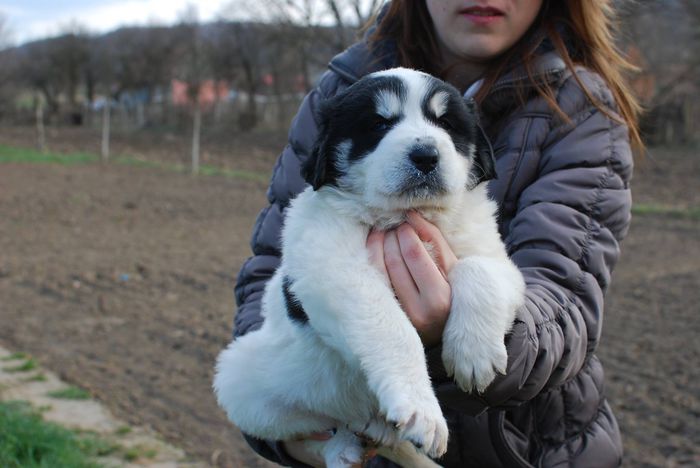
120	279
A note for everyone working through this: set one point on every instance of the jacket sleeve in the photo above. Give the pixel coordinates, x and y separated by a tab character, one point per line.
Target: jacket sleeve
564	237
286	183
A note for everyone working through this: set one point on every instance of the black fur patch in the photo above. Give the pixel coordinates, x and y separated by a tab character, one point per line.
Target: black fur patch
351	116
294	309
461	121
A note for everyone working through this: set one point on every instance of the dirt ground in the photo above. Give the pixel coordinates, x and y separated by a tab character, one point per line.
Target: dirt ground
120	280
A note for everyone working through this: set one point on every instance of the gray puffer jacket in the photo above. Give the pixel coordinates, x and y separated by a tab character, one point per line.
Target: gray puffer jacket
564	197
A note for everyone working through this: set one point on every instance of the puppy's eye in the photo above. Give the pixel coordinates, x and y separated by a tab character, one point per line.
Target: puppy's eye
444	122
381	124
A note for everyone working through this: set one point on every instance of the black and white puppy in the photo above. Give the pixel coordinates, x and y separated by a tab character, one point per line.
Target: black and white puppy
336	349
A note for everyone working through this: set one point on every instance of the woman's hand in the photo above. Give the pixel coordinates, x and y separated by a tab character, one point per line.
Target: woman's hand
301	451
419	282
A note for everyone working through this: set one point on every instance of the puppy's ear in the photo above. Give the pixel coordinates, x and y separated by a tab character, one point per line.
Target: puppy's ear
315	168
484	165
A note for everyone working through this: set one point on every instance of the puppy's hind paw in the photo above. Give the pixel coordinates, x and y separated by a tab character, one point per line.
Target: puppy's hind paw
343	450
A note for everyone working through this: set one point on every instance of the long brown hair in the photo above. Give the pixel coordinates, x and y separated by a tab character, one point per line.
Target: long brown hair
589	42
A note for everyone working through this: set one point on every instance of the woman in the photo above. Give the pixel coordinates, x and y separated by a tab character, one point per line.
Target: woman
549	83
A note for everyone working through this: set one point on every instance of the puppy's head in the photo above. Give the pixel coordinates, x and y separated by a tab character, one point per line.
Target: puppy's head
401	139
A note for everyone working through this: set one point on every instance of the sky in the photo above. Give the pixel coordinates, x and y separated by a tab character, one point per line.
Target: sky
34	19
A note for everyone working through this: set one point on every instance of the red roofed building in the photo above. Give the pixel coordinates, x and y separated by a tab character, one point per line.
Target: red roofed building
210	92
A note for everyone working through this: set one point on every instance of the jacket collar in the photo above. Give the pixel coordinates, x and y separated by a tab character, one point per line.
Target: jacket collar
547	68
359	60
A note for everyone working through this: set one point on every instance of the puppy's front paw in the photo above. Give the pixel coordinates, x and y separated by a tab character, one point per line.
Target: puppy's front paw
474	361
418	419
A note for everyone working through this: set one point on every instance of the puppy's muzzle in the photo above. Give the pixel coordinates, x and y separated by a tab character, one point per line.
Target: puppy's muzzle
424	157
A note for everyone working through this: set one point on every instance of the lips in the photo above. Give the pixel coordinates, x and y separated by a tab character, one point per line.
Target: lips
481	11
482	16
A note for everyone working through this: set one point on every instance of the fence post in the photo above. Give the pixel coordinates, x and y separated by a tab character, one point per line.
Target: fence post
40	131
196	130
106	112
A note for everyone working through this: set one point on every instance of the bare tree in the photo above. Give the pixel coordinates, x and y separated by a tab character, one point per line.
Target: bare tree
223	63
71	56
138	61
239	53
341	14
353	14
666	35
249	36
308	17
37	67
303	25
56	67
692	8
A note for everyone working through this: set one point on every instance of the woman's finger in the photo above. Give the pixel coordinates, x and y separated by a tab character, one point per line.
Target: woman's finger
375	249
426	275
401	279
429	233
321	436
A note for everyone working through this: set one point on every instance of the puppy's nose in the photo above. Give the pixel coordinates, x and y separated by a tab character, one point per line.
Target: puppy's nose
424	157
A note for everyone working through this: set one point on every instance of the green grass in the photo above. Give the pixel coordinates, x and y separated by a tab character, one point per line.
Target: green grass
650	209
237	174
204	169
70	393
28	365
131	454
36	378
133	161
139	451
14	357
26	441
25	155
90	442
